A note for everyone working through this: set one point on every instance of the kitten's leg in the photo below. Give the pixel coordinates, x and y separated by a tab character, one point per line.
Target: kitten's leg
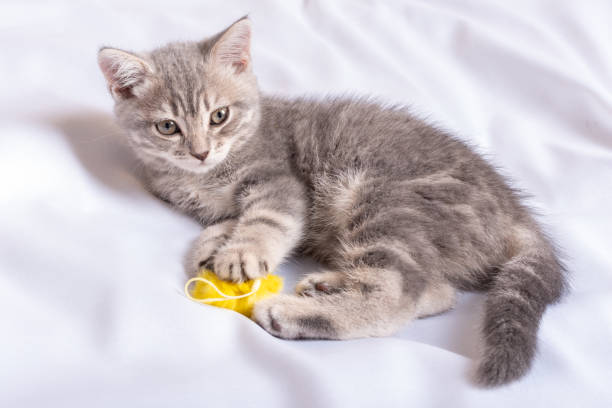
272	206
371	302
375	250
203	249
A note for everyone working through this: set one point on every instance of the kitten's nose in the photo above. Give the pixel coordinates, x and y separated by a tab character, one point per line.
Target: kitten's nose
200	156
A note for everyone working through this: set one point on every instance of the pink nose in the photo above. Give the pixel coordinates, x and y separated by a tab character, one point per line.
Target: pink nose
200	156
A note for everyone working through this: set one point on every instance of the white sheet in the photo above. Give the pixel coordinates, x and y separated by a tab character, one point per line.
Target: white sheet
91	309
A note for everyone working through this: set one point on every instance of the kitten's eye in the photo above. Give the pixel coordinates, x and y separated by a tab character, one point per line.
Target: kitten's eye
167	127
219	116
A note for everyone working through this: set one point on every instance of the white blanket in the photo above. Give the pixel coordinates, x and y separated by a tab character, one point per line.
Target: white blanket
91	305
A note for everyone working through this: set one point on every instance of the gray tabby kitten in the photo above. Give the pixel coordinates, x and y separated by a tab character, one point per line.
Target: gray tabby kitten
401	214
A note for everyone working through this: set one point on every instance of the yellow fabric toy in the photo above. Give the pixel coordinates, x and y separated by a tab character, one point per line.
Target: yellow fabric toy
240	297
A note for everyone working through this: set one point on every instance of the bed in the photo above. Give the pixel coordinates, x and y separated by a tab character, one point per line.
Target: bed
91	265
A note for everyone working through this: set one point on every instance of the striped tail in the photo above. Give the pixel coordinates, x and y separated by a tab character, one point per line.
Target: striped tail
515	303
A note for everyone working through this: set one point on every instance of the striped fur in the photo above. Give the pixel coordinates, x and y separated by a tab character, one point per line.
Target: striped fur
401	214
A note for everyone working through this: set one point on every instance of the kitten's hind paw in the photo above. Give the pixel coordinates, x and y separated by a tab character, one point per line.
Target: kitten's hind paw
321	283
292	317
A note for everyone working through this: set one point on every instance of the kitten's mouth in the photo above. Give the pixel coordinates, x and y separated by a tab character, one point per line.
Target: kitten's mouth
193	165
196	166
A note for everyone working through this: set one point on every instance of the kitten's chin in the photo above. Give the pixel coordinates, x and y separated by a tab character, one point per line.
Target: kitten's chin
198	168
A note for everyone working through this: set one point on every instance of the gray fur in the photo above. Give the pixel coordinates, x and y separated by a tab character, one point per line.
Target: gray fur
401	213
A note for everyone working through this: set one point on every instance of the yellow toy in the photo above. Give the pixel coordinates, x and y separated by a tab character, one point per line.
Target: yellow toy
240	297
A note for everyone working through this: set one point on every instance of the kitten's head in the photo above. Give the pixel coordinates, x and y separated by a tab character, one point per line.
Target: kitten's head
186	104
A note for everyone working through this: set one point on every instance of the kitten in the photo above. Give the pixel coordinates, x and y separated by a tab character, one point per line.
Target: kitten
401	214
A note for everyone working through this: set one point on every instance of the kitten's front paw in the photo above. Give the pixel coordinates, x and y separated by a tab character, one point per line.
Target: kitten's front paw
202	256
203	249
240	263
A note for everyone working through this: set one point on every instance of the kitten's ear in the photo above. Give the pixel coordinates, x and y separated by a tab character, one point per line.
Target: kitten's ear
125	73
233	46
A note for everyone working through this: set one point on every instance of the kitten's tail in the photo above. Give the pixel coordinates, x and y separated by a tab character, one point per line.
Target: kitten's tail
520	292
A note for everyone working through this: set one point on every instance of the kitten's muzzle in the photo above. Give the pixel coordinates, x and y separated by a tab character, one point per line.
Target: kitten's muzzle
200	156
